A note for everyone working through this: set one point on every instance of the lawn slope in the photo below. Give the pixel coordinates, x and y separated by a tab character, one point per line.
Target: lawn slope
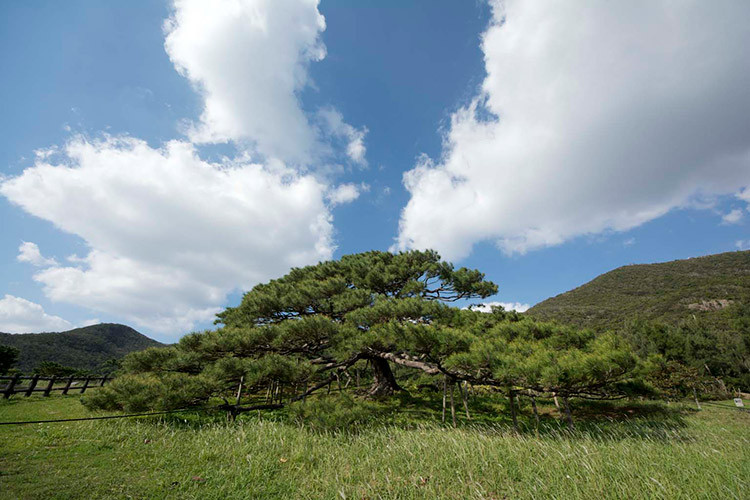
650	452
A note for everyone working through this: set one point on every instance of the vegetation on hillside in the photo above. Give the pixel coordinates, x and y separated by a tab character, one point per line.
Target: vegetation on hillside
694	314
86	348
667	292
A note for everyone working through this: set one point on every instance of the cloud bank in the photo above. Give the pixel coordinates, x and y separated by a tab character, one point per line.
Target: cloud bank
594	118
249	61
170	234
19	315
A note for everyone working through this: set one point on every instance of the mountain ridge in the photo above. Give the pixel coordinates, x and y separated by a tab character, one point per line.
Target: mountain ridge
84	348
668	292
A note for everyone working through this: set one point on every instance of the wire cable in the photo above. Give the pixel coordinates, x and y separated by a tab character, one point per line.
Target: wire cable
108	417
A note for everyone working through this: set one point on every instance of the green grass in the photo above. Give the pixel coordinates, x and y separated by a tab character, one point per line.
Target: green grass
628	451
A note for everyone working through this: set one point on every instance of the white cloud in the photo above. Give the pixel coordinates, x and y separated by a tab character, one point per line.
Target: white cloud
508	306
249	60
346	193
743	244
594	118
29	252
732	217
169	234
19	315
629	242
334	125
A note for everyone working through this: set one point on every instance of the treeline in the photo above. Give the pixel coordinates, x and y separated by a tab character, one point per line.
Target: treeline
9	357
712	351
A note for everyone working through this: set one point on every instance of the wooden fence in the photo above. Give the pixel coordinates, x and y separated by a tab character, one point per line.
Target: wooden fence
17	384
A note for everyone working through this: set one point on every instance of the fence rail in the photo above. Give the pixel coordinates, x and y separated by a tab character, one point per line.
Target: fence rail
46	385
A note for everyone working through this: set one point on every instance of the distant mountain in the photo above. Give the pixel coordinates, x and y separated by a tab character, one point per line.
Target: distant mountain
84	348
668	292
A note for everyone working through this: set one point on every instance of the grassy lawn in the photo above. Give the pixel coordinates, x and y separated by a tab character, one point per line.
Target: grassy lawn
629	451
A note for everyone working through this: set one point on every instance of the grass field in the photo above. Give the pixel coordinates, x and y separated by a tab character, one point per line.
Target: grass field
629	451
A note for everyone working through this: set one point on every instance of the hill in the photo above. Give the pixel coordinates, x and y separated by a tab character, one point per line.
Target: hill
667	292
84	348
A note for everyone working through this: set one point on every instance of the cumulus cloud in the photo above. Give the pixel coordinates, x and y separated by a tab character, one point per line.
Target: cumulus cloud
169	234
249	60
29	252
334	125
508	306
594	118
19	315
732	217
346	193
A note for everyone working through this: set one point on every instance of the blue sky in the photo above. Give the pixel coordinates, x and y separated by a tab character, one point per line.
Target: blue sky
541	144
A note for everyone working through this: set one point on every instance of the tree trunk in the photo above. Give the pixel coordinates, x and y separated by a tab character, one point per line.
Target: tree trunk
384	383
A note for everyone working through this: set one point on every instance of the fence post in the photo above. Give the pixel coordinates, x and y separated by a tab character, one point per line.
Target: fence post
9	389
85	384
49	386
104	379
32	385
67	386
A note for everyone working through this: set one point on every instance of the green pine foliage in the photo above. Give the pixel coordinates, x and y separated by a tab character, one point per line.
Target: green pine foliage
369	313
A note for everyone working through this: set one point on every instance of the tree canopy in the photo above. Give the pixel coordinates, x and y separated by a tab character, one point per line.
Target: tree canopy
369	312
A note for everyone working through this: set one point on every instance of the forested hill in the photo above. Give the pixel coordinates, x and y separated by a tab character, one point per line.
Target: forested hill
84	348
668	292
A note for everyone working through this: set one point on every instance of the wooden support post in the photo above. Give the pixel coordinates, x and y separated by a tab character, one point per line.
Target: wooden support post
695	396
462	389
536	412
32	385
239	390
568	415
10	388
557	403
104	379
269	392
67	385
85	384
445	389
49	386
453	406
512	399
